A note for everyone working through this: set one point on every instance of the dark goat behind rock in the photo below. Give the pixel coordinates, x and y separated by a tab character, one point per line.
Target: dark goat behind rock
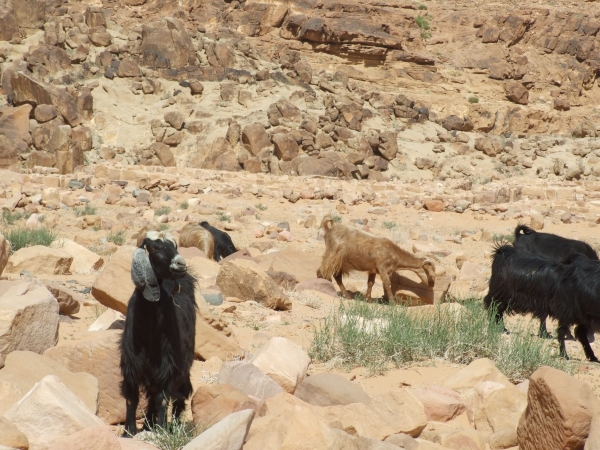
553	247
523	283
223	243
157	345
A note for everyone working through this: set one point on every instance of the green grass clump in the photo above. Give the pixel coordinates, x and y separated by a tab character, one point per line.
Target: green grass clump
473	99
174	435
87	210
389	225
162	211
163	227
422	7
116	238
9	218
375	336
423	24
499	237
21	237
223	217
261	207
184	205
336	218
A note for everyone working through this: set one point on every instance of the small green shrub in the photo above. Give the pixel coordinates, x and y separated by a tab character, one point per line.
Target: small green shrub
389	225
499	237
28	237
422	7
9	218
162	211
473	99
116	238
174	435
336	218
423	24
163	227
223	217
87	210
184	205
261	207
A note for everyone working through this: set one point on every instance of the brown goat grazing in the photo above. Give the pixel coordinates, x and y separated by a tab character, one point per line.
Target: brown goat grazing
348	249
141	235
193	235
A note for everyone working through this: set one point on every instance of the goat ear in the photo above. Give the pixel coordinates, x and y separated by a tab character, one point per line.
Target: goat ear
143	276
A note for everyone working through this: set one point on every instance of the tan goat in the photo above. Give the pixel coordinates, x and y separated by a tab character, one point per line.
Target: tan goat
193	235
348	249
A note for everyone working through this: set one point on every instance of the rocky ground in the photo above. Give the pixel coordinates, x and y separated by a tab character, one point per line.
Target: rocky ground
441	125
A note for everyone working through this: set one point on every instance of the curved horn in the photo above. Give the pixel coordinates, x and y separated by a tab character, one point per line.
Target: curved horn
143	276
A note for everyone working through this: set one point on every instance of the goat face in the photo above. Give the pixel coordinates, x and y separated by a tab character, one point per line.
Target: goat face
166	262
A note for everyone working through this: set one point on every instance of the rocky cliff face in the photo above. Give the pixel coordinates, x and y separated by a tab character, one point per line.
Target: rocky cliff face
347	89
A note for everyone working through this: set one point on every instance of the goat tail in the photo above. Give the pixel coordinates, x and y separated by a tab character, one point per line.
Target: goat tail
327	223
521	230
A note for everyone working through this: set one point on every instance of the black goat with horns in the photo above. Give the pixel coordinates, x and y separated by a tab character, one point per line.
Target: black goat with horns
157	345
553	247
568	292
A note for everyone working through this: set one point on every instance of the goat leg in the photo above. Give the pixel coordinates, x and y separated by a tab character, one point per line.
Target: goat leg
130	424
162	403
387	286
178	407
562	334
370	283
338	279
543	333
581	335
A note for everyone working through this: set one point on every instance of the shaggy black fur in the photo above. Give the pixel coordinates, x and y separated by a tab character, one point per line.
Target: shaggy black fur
223	243
568	292
157	345
550	246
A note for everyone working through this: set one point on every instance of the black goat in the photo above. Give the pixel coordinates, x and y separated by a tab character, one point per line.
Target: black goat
223	243
157	345
568	292
550	246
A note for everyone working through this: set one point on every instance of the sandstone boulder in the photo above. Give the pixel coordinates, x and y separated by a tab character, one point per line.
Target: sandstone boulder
492	410
25	369
214	337
96	353
318	284
40	260
441	404
245	280
108	320
113	287
28	317
249	379
210	404
128	68
63	413
166	44
479	370
27	89
293	261
516	92
329	389
69	302
10	394
255	138
9	28
559	411
30	13
283	361
10	436
286	148
100	437
85	262
228	434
